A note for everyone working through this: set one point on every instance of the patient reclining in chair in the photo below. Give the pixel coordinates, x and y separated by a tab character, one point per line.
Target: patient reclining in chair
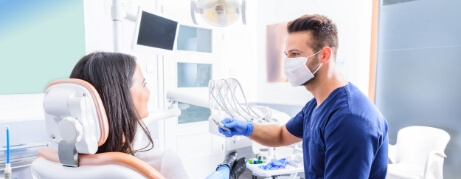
123	92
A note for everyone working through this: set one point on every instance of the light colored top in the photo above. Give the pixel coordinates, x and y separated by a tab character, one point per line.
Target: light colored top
167	163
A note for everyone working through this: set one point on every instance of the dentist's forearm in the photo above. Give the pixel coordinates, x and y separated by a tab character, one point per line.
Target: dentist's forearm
268	135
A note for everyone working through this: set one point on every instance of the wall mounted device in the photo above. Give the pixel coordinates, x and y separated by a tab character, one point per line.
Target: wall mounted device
154	31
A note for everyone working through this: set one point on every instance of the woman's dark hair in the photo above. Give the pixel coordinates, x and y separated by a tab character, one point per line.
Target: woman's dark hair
111	74
324	31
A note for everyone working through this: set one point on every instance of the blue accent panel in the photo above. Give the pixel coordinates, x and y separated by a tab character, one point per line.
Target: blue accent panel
420	24
418	77
40	41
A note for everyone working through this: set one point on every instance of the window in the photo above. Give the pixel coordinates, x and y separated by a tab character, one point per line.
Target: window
194	39
193	75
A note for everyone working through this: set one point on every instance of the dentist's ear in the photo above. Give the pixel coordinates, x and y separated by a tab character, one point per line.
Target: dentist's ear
326	55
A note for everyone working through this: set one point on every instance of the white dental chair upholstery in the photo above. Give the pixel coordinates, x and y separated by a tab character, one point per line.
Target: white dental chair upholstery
76	119
418	153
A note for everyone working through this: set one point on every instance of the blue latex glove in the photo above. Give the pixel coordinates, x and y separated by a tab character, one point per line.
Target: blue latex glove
237	127
275	165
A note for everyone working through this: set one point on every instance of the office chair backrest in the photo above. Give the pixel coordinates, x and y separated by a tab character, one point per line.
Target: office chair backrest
75	119
414	143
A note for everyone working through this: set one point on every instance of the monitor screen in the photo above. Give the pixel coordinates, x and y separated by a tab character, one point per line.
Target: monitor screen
156	31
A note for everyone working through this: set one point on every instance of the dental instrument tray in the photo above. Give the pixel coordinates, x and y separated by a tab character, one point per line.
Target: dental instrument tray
289	169
21	155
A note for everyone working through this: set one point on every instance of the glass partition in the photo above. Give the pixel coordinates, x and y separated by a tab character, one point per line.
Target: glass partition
417	77
193	75
194	39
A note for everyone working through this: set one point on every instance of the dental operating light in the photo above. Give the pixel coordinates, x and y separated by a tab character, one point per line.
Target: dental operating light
219	13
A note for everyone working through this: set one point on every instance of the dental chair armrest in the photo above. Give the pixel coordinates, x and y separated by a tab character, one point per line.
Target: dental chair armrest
434	165
118	158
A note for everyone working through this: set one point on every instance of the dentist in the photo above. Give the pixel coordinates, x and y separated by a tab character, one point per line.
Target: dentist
344	135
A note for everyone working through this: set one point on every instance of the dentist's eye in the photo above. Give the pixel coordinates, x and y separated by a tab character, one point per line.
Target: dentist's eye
294	54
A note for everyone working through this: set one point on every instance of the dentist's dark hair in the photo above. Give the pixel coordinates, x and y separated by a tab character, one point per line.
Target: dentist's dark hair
111	74
324	31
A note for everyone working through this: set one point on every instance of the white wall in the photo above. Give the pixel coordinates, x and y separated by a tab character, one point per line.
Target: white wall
353	20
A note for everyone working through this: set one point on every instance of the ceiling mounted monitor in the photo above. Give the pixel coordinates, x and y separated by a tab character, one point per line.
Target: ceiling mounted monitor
155	31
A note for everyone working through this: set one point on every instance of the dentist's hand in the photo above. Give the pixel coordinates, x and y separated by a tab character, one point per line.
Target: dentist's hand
237	127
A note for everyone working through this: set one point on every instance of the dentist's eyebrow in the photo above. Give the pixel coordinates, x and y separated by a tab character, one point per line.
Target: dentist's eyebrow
292	50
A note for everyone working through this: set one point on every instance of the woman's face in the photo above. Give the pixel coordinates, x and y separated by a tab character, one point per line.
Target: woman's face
140	93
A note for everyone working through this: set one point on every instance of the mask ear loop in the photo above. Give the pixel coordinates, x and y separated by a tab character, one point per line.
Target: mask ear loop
318	68
320	65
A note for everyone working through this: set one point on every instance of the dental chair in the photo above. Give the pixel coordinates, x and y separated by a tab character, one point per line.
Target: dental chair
76	120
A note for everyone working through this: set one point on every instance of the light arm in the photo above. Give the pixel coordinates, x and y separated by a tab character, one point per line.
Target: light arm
118	14
194	96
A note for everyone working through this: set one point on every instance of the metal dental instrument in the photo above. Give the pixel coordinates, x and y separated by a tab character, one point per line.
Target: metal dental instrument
220	125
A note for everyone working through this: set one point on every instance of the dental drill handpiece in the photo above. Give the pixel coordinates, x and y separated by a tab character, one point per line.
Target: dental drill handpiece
221	125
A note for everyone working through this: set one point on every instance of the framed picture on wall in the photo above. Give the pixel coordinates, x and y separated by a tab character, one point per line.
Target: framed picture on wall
275	45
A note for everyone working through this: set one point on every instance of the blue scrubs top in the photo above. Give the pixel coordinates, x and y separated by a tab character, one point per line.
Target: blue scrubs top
345	137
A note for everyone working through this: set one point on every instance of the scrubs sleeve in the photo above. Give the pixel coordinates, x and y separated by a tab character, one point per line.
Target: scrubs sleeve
296	124
351	143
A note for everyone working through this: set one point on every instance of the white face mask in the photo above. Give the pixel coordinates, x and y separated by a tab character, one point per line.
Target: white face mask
296	70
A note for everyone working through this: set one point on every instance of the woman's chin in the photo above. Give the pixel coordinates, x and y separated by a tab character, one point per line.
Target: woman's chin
144	115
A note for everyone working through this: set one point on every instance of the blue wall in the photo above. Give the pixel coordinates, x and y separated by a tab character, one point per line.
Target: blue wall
40	41
418	70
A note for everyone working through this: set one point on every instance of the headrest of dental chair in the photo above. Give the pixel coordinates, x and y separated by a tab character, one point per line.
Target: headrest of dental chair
75	118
